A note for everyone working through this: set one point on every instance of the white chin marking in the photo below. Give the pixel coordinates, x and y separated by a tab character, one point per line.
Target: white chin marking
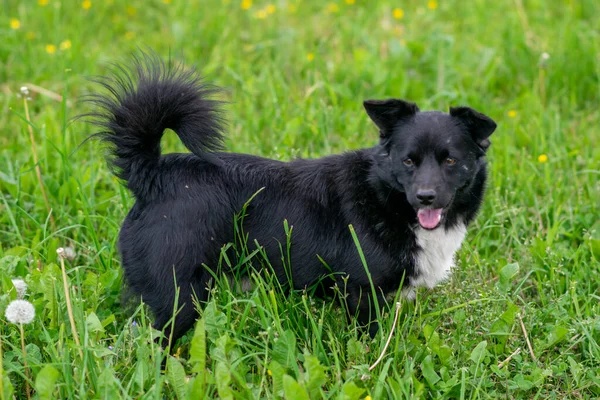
435	258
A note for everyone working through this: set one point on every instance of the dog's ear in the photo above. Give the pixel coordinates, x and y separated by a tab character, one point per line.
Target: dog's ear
385	113
480	126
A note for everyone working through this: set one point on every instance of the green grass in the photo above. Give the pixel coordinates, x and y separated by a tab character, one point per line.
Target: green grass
296	80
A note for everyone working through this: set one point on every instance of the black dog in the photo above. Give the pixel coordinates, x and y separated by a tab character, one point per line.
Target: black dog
409	198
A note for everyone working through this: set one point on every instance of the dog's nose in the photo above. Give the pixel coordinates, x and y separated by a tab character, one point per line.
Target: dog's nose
426	196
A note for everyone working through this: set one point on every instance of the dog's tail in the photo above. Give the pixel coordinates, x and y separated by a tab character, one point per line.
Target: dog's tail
144	100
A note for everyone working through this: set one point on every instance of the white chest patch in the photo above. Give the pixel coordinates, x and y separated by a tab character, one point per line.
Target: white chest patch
435	259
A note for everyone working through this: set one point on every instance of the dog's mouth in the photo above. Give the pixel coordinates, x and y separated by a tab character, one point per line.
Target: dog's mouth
430	218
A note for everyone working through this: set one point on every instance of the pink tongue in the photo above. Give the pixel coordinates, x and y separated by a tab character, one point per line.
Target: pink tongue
429	218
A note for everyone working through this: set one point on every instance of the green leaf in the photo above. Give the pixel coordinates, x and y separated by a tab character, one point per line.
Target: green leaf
501	328
176	376
276	371
198	356
351	392
315	374
293	390
223	379
45	381
556	335
507	273
429	371
523	383
355	350
478	352
198	347
223	348
107	384
214	320
284	351
93	324
7	387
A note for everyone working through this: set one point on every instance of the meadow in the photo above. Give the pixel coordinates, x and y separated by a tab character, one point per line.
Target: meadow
520	317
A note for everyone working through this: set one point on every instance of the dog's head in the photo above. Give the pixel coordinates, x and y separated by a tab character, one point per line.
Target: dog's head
431	156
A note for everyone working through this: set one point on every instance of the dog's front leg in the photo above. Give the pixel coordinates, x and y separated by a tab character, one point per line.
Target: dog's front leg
361	305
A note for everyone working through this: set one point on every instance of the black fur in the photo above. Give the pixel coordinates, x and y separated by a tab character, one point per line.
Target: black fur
186	203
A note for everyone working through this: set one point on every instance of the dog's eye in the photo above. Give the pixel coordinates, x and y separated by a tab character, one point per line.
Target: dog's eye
450	161
408	162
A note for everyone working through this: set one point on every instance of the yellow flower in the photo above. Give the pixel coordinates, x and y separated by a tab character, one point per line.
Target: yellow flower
43	2
131	11
15	23
246	4
310	56
261	14
542	158
269	372
512	113
65	45
270	9
167	1
398	13
368	398
50	49
30	35
86	4
333	8
350	2
432	4
129	35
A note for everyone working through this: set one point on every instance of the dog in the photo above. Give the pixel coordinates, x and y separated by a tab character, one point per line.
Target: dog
409	198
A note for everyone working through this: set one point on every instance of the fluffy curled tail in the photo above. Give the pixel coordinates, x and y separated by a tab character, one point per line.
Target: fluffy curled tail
142	101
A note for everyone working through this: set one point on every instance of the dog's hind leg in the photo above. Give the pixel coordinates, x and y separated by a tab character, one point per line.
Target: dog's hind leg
186	314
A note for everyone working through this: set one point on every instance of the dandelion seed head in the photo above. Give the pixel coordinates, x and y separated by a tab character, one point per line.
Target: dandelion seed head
20	312
20	287
66	253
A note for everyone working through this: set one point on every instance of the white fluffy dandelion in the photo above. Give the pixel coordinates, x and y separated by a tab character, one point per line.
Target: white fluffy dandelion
20	312
20	287
67	253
